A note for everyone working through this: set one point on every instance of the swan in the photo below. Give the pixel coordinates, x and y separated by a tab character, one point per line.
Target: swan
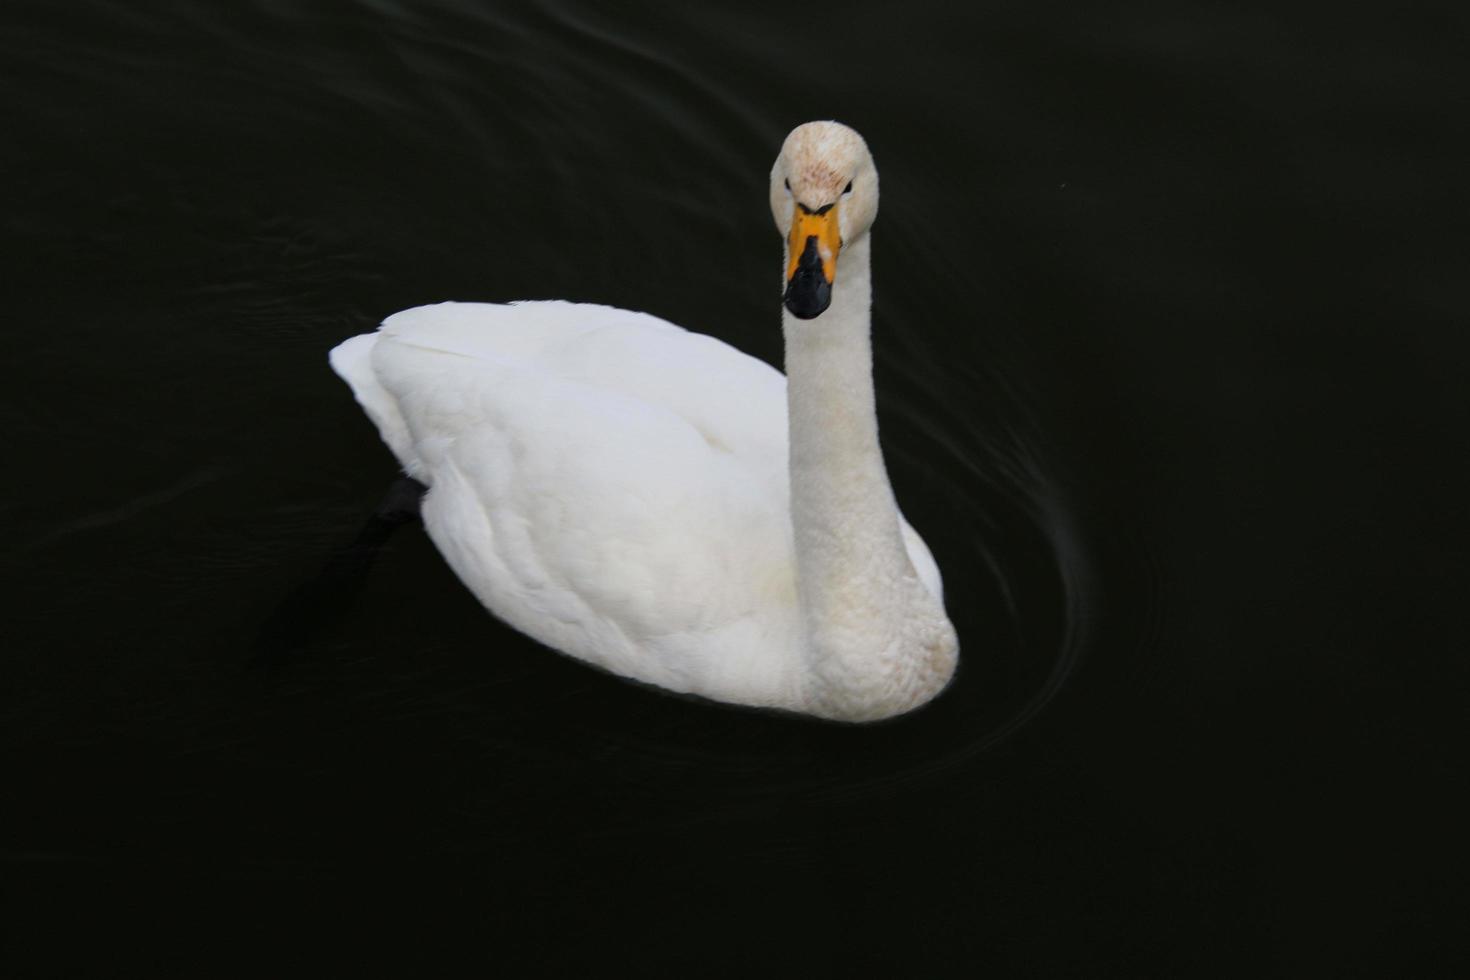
654	502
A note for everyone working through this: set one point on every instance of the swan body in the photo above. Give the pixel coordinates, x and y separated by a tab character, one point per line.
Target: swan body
654	502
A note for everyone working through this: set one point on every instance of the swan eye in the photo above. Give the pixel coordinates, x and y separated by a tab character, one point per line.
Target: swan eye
848	189
788	184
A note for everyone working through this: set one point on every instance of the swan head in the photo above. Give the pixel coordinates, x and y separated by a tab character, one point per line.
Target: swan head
824	197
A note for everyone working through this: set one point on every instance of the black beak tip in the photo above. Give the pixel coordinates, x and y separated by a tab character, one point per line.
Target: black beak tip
808	292
807	299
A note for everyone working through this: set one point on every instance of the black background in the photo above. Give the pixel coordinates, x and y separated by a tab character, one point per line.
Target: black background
1171	331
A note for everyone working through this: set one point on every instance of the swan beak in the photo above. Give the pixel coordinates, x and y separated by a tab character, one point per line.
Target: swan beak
811	261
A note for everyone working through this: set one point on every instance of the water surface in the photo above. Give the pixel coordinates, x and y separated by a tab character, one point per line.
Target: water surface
1169	330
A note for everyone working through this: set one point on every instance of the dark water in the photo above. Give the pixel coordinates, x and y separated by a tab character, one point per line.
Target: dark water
1172	342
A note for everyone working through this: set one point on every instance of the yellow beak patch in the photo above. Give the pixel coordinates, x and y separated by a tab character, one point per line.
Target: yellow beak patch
822	226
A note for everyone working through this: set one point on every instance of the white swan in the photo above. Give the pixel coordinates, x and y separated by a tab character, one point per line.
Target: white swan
659	504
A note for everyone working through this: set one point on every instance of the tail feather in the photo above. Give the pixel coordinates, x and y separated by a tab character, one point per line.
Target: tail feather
352	360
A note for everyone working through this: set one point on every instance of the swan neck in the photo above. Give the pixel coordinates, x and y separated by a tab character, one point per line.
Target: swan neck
868	621
835	455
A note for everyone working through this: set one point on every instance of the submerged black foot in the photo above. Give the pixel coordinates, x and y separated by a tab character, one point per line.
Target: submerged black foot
323	601
400	505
